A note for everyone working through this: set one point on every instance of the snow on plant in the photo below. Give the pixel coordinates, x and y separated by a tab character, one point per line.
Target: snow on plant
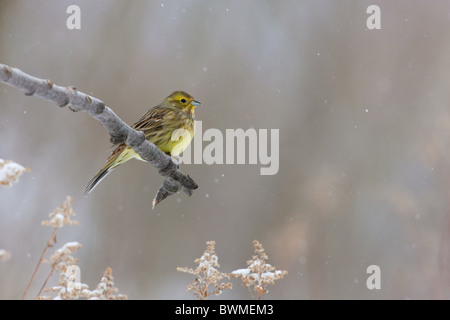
4	255
69	285
258	273
10	172
67	289
207	274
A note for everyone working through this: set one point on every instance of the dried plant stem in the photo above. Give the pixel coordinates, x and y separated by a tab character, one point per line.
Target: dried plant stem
258	274
46	280
50	243
208	279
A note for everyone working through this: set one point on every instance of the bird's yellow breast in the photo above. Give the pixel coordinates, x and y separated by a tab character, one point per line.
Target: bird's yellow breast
173	144
179	141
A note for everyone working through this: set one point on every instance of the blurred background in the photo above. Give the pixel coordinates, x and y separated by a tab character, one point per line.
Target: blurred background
364	129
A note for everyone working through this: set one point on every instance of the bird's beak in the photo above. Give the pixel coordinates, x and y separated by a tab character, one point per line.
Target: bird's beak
195	103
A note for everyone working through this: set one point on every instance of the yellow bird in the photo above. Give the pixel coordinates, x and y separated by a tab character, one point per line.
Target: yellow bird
169	126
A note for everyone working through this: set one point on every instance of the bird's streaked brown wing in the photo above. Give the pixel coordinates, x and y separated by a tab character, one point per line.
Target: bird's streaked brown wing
152	122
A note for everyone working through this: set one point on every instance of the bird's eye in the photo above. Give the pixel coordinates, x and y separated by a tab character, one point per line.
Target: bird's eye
183	100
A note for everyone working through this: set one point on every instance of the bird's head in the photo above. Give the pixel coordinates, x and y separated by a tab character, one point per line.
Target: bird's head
182	100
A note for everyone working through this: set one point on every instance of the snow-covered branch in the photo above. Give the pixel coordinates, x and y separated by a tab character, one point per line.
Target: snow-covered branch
119	131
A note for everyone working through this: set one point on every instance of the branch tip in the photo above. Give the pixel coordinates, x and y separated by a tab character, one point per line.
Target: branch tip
191	183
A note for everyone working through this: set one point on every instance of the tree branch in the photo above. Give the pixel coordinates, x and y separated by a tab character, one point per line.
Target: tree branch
119	131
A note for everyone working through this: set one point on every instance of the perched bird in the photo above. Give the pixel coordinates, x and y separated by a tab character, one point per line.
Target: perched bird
169	126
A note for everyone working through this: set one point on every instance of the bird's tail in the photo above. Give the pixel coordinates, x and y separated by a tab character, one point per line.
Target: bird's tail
121	155
97	178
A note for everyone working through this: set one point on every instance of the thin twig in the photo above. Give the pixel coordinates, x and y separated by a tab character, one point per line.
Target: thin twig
50	243
46	280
